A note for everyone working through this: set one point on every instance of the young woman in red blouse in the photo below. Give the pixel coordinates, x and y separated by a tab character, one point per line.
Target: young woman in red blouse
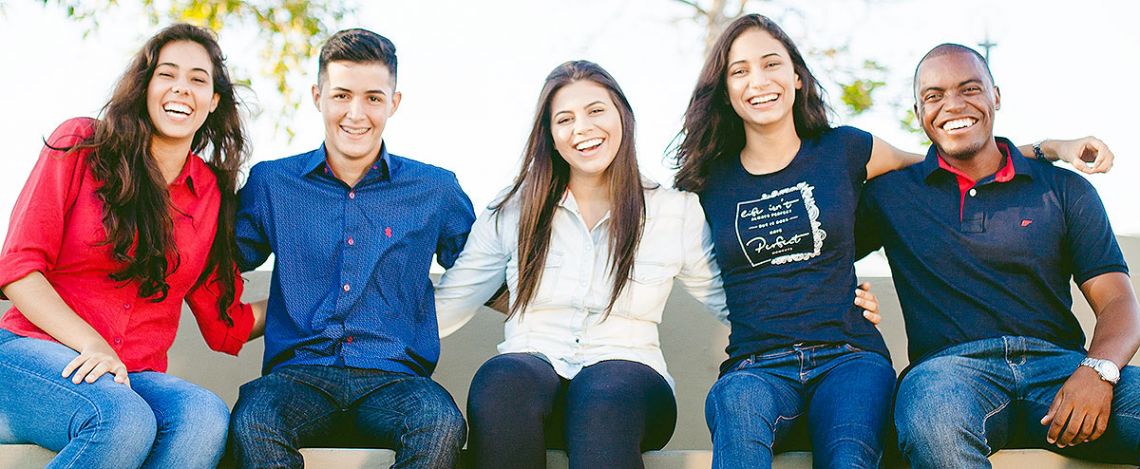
119	223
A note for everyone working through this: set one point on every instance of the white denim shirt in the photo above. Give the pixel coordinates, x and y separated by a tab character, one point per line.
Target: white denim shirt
563	322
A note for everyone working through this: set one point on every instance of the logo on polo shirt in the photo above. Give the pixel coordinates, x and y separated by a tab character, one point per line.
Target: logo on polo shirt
1026	222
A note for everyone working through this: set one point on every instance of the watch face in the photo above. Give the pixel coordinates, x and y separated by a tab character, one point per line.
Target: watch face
1108	371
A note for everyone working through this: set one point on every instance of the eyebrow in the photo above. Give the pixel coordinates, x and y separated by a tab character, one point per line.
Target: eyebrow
337	88
588	105
196	69
777	54
937	88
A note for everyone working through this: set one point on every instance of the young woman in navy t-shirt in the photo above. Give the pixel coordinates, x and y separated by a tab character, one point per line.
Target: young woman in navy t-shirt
779	187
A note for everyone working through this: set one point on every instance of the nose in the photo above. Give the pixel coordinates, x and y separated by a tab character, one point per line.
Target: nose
581	126
356	109
758	79
953	102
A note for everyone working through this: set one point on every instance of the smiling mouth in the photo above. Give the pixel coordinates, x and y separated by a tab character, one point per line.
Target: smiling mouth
958	124
762	99
177	109
589	145
354	130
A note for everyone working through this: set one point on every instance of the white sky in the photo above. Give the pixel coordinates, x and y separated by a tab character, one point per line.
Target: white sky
471	71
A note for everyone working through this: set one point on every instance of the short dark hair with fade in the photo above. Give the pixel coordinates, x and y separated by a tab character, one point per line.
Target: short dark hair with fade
357	45
947	48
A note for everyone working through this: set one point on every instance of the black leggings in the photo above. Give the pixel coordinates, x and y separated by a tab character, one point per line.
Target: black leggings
606	416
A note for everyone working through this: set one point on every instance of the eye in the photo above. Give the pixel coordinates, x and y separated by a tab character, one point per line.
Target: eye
771	65
973	89
736	72
375	99
562	120
931	97
200	81
340	96
166	74
596	111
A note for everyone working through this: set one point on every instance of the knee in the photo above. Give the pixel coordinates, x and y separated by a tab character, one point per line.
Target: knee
505	383
126	421
929	414
443	424
201	420
736	395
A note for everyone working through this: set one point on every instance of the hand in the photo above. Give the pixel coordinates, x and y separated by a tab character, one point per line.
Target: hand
1086	150
870	304
1085	402
94	361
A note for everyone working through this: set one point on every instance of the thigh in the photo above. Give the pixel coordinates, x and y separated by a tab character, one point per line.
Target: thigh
512	391
180	405
757	402
295	405
946	395
38	405
393	404
620	401
849	408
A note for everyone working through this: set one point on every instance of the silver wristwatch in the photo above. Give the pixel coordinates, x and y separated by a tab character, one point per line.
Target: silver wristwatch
1107	370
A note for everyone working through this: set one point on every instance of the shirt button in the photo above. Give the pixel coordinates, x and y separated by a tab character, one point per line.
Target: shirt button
973	192
346	287
126	306
348	340
118	340
351	242
352	195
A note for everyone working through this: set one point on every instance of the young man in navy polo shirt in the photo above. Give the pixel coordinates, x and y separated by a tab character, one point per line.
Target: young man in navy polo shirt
982	243
351	337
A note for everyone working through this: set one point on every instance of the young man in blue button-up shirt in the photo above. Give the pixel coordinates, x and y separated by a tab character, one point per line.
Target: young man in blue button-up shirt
983	243
351	337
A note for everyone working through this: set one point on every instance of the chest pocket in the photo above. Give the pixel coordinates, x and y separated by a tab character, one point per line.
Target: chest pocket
552	274
647	290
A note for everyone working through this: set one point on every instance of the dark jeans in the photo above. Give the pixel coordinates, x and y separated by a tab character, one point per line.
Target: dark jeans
970	400
835	399
606	416
313	406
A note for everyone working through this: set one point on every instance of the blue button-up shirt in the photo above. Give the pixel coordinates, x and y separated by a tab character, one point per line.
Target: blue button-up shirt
350	280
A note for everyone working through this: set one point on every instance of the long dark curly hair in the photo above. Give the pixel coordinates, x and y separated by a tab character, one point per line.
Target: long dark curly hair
136	216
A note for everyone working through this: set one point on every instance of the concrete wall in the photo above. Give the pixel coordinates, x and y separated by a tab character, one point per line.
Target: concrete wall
693	343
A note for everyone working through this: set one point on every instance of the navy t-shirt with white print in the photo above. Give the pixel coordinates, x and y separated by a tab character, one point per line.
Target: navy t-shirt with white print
785	245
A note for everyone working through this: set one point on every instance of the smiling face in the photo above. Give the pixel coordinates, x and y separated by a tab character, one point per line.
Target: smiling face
761	81
355	100
956	101
180	94
586	127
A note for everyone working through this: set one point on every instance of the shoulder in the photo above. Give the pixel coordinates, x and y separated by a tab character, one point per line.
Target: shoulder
410	167
666	201
71	132
846	134
281	167
1065	181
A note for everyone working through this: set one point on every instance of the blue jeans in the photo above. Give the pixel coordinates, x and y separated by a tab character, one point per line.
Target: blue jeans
606	416
964	403
300	406
160	421
834	398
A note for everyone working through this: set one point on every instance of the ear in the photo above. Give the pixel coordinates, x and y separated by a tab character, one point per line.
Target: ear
396	97
997	98
317	97
214	102
799	84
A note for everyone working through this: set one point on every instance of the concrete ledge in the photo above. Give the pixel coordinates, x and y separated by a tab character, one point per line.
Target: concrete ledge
32	456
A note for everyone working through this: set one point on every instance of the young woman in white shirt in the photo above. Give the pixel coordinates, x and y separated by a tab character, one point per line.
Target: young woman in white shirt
589	250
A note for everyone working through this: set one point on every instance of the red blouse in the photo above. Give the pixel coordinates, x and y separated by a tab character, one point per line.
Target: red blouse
57	229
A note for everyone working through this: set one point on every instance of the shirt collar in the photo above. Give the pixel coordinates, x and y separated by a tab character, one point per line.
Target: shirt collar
191	171
318	161
1015	163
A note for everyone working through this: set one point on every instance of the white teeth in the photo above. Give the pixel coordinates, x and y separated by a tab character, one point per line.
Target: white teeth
593	142
352	131
959	123
177	107
763	99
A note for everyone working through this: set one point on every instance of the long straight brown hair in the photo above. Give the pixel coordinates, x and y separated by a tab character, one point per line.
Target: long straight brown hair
137	212
544	177
712	129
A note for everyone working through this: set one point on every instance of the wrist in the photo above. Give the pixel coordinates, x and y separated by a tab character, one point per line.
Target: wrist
1106	369
1043	148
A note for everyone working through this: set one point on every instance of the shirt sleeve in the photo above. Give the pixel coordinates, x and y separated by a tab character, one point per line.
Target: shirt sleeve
700	274
253	199
1089	241
475	276
868	224
458	216
220	336
858	144
36	228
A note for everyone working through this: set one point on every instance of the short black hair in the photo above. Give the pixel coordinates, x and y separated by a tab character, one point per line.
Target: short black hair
357	45
948	48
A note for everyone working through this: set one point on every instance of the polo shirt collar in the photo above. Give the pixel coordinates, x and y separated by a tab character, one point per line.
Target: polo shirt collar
1015	164
317	161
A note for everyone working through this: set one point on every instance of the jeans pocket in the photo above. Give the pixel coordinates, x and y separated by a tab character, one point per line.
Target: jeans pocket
852	348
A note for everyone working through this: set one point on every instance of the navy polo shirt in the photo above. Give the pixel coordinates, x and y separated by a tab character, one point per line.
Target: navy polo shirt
993	258
350	280
785	245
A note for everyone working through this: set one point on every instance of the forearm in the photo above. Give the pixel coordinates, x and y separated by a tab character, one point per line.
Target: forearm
1117	333
38	301
259	309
